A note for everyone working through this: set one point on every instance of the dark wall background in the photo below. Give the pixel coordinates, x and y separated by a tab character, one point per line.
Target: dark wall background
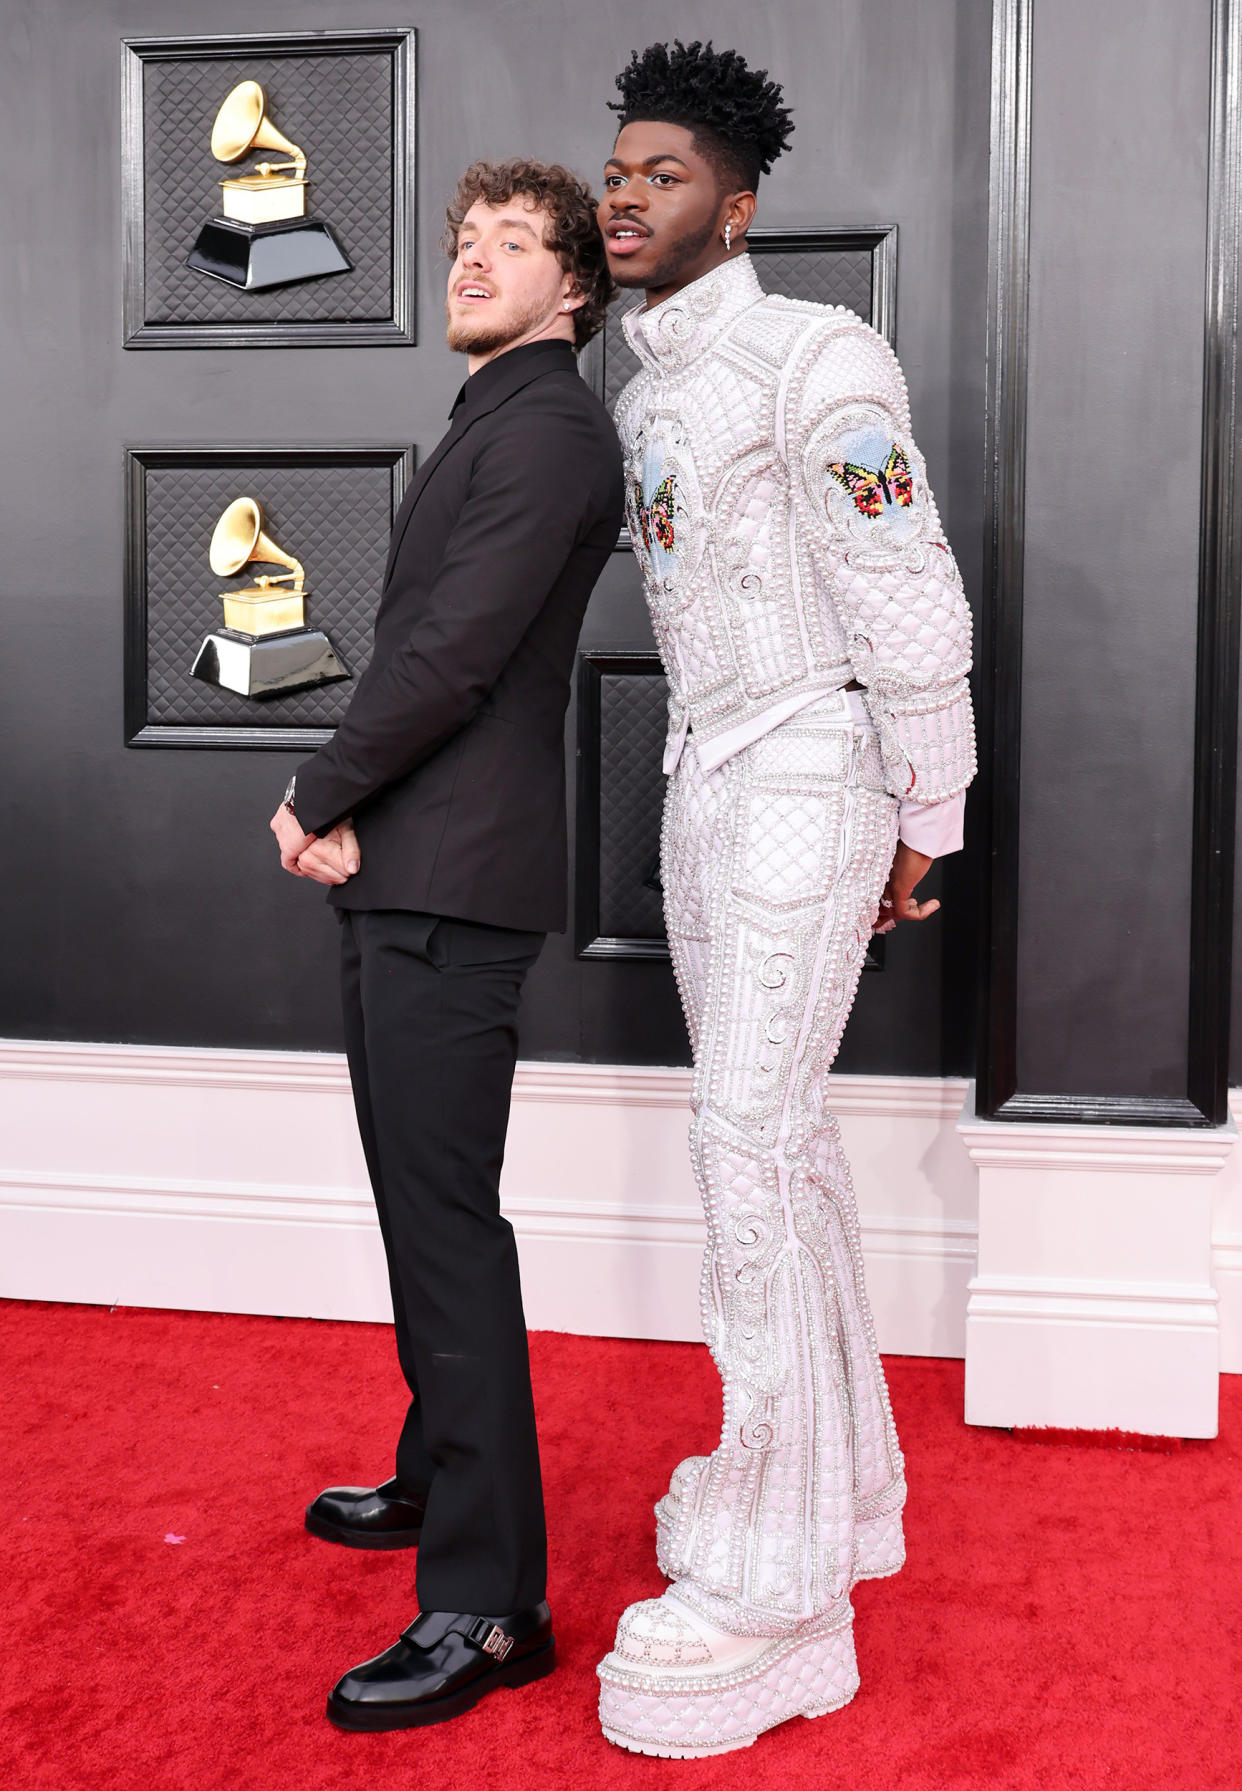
143	901
1118	227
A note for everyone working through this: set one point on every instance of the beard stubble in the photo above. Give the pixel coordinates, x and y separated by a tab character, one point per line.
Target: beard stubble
479	335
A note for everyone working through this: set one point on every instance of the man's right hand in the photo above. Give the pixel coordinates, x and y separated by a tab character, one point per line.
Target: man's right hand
334	858
899	901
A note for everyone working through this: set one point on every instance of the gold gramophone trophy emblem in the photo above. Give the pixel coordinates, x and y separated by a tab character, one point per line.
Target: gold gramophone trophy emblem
263	236
265	648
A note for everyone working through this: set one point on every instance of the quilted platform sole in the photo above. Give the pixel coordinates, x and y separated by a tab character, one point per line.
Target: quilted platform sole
683	1718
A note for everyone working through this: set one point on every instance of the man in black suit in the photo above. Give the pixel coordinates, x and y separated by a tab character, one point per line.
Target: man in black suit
437	816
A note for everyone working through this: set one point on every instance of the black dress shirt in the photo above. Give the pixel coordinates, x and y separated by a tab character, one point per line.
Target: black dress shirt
450	757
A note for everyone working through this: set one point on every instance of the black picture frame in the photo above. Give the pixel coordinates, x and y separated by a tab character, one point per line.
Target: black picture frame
998	675
1219	632
396	330
589	940
396	460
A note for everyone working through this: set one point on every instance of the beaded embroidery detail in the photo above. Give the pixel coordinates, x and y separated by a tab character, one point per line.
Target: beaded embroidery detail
808	547
654	515
874	489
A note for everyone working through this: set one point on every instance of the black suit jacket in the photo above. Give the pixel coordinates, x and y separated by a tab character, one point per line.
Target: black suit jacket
451	754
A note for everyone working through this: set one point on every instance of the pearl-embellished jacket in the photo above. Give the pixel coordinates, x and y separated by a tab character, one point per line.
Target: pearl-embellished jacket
780	512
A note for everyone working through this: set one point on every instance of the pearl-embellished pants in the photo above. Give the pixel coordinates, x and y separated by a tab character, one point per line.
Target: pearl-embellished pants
773	867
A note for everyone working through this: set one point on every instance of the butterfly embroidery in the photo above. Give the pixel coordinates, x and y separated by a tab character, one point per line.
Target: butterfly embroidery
893	483
657	516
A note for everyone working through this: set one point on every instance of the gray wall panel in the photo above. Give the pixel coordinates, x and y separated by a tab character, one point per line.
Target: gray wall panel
149	906
1118	224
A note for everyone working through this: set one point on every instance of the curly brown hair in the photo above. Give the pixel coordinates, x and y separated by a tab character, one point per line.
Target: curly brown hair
572	231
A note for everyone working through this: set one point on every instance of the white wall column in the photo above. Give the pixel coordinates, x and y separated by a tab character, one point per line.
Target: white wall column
1093	1305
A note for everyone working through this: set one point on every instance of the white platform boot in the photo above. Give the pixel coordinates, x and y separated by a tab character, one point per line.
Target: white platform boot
678	1686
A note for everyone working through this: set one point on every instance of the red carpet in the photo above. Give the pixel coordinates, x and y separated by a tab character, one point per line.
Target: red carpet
1068	1617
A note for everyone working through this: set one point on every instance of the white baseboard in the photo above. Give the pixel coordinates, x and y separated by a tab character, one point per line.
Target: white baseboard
1227	1278
1091	1356
233	1181
1227	1250
1092	1276
1093	1305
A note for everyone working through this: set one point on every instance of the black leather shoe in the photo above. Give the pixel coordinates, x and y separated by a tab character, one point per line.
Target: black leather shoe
366	1517
444	1663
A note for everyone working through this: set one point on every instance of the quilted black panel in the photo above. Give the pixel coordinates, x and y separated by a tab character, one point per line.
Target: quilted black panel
632	710
824	276
335	519
338	109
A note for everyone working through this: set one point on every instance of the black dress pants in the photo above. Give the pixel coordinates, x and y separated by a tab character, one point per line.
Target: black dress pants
430	1030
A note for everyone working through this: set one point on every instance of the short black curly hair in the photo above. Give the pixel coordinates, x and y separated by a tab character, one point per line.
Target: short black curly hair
734	111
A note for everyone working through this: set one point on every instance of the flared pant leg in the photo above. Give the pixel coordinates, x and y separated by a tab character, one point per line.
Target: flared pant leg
773	867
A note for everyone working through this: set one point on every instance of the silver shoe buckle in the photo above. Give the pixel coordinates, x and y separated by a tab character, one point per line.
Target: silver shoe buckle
497	1643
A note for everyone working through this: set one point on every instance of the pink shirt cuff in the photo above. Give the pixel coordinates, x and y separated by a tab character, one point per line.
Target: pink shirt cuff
932	827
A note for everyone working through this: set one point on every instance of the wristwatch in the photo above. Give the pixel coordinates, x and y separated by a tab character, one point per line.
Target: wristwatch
286	800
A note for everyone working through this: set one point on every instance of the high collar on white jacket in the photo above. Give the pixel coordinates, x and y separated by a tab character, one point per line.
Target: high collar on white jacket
671	335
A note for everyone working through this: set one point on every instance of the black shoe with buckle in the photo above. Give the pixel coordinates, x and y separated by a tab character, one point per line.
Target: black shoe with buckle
366	1516
444	1663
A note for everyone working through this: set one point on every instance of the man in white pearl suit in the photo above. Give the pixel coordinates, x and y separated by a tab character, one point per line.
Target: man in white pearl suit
812	625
